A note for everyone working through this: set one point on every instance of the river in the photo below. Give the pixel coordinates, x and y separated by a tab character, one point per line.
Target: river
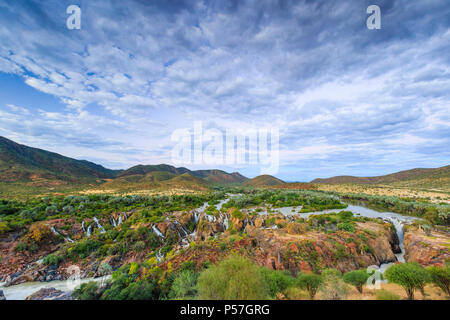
21	291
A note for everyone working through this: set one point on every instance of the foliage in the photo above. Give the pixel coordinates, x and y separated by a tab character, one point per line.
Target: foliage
411	276
185	285
333	287
440	277
309	282
277	281
233	278
87	291
356	278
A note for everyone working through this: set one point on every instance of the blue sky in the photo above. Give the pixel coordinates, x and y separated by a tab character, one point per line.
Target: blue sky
347	100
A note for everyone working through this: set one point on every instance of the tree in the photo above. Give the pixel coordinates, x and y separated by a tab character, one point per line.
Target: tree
357	279
440	277
333	288
234	278
310	282
411	276
277	281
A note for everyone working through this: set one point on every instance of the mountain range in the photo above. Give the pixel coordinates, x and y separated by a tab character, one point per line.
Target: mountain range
418	178
23	167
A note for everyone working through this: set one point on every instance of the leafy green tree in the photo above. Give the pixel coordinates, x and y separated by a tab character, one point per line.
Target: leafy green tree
411	276
356	278
277	281
440	277
310	282
233	278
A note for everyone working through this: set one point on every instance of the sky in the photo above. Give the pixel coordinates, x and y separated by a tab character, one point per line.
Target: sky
346	100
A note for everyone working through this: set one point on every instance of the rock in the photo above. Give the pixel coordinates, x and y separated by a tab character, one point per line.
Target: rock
2	296
426	249
50	294
259	222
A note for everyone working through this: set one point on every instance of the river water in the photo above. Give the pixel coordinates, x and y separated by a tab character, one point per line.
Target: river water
21	291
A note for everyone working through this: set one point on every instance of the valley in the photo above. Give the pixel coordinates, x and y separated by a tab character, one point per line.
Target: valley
161	232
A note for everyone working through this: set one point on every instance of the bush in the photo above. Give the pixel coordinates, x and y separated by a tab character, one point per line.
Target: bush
346	227
333	288
52	260
440	277
87	291
410	276
277	281
386	295
39	232
184	285
356	278
234	278
309	282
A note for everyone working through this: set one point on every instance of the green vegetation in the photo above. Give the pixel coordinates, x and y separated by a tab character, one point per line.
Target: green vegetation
411	276
310	282
233	278
333	287
356	278
386	295
440	277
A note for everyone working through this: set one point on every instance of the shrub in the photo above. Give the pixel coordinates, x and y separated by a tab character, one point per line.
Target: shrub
52	260
309	282
4	227
356	278
346	227
333	288
87	291
410	276
21	247
277	281
233	278
184	285
440	277
386	295
38	232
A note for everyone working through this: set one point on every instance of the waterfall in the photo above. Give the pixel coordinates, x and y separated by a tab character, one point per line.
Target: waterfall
156	230
159	256
83	227
102	230
59	234
399	228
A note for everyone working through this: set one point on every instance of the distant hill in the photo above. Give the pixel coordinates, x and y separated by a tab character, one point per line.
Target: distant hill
29	170
220	177
19	163
420	178
263	181
211	176
157	180
144	169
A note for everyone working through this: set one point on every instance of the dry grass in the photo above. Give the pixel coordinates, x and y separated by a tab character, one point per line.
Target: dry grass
431	293
433	196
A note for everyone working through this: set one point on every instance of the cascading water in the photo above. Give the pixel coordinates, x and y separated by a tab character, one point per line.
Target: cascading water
158	233
102	230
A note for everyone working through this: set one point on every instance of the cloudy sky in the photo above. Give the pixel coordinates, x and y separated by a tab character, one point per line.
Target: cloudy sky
346	100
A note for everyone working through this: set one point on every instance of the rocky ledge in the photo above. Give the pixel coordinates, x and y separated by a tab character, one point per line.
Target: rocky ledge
50	294
427	247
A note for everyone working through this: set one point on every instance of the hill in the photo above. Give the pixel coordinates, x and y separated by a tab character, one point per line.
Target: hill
420	178
20	163
263	181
